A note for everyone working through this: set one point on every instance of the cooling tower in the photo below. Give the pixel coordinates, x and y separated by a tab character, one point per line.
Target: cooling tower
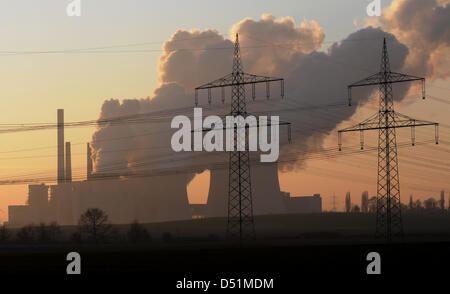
61	175
162	198
266	195
217	204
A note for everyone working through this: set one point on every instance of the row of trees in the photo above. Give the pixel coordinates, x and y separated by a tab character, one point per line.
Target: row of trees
370	204
93	226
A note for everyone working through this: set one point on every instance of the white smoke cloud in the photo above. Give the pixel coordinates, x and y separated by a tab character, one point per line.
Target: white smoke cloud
424	27
322	78
127	147
190	59
275	47
195	57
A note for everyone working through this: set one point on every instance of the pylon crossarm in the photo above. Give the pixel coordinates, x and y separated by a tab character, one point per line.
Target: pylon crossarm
221	82
398	120
372	121
404	120
280	123
395	77
394	126
392	77
371	80
227	81
379	79
245	79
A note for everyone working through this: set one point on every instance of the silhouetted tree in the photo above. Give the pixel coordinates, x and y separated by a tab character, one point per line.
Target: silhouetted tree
48	233
5	234
373	204
26	234
138	233
430	203
403	207
94	223
418	204
42	233
54	231
348	202
365	202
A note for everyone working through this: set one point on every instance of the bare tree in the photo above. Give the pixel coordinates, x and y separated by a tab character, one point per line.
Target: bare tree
48	233
26	234
430	204
94	222
5	234
54	231
42	233
373	204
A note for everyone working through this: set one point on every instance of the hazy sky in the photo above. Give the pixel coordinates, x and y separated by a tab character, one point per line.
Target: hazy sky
35	85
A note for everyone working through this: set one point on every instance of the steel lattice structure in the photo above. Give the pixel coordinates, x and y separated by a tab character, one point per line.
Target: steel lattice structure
240	210
386	121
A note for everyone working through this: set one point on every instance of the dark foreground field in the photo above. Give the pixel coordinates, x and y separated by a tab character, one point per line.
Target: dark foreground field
292	258
288	263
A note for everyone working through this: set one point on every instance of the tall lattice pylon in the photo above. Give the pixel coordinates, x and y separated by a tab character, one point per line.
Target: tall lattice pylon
386	121
240	210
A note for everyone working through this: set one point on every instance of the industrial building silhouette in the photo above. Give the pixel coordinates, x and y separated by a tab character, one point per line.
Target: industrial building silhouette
145	199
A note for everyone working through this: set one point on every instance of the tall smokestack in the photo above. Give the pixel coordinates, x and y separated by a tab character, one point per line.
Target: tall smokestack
61	175
68	163
89	161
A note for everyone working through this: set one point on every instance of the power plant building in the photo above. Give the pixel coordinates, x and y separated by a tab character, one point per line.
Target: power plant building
302	204
144	199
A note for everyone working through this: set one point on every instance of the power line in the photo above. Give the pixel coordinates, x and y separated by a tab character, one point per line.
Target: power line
287	157
98	49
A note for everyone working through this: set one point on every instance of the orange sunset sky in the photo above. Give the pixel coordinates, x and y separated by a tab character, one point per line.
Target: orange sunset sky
35	84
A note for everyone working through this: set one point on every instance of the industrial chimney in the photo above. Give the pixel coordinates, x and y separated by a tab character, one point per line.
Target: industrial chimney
68	163
89	161
61	175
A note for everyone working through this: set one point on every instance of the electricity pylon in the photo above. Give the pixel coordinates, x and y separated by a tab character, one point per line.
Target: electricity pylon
386	121
240	211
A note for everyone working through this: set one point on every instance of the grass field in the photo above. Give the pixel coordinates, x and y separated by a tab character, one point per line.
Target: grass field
287	247
298	225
